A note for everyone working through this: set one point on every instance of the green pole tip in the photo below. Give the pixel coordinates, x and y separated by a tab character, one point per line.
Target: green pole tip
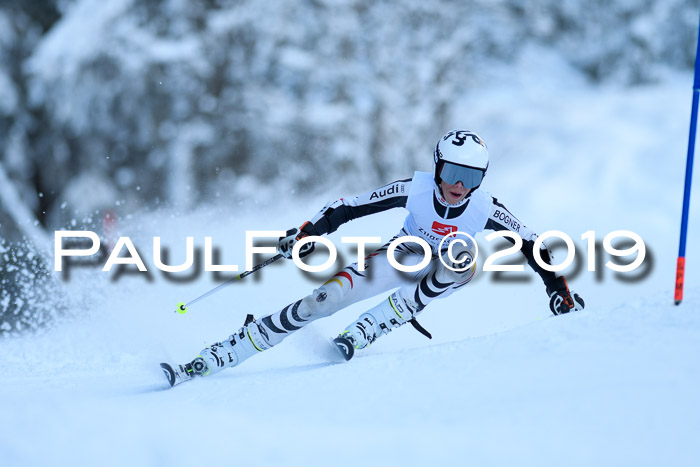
181	308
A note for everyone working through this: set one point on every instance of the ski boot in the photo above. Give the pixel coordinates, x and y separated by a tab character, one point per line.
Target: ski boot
376	322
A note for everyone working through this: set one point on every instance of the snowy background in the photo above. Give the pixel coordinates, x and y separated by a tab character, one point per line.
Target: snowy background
209	118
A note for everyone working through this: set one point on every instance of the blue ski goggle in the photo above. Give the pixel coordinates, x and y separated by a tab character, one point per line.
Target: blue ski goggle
469	176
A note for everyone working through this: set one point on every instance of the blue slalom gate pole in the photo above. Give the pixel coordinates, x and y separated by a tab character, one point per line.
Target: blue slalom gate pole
680	266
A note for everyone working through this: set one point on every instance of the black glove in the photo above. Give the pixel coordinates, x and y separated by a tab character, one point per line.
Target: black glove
286	244
561	299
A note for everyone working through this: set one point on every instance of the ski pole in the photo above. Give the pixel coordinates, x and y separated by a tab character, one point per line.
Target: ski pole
182	306
680	265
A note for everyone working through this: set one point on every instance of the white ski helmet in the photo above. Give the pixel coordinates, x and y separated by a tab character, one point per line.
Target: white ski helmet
461	155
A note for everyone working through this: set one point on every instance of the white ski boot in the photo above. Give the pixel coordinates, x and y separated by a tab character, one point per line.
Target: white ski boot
249	340
389	314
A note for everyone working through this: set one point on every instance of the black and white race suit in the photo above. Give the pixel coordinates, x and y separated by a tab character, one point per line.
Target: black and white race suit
429	217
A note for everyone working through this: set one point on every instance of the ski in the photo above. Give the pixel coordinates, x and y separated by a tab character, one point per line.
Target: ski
344	347
175	375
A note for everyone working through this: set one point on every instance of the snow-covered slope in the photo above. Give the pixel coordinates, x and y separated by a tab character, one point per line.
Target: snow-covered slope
607	387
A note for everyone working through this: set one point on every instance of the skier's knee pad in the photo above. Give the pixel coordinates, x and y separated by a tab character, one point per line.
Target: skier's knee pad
460	267
446	275
322	302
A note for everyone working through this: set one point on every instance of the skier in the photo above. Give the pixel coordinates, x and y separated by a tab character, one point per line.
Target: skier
446	201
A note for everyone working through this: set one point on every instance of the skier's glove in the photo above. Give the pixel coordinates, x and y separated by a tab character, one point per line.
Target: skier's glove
561	299
286	244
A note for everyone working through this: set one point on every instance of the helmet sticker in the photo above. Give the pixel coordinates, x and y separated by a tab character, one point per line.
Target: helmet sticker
460	136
